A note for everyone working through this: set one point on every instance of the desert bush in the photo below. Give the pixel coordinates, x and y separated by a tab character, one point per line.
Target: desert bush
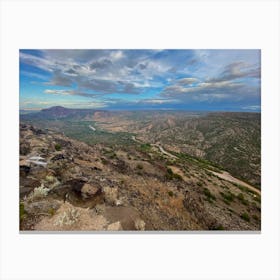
139	166
111	195
68	217
139	224
113	156
22	211
257	198
57	147
242	199
256	218
228	196
104	161
145	147
51	211
170	193
38	193
50	178
170	175
210	197
177	176
218	227
245	216
51	181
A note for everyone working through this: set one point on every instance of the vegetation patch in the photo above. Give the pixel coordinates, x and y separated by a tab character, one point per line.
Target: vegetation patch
170	175
170	193
139	166
228	196
242	199
257	198
218	227
57	147
145	147
22	212
203	163
209	196
245	216
200	184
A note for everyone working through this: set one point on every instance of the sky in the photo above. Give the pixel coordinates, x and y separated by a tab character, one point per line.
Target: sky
207	80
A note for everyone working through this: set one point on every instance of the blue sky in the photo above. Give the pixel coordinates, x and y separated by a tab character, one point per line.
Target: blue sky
211	80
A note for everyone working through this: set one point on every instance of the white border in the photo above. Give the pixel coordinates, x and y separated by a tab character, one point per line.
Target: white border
135	24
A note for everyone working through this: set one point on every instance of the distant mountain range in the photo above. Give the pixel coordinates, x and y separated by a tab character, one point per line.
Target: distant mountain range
59	112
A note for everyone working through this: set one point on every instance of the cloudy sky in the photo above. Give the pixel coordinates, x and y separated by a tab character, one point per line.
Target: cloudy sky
141	79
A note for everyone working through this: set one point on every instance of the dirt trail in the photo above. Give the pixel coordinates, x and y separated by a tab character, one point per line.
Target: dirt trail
155	145
226	176
163	151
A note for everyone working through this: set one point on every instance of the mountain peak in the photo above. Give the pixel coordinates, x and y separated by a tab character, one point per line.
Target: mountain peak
55	108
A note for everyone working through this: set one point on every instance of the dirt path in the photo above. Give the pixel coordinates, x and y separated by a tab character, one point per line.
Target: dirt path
226	176
92	128
163	151
135	140
155	145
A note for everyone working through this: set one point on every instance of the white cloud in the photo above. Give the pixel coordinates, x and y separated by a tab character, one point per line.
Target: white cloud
252	107
116	55
187	81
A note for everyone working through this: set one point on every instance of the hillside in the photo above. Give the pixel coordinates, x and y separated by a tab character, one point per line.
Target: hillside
229	140
66	184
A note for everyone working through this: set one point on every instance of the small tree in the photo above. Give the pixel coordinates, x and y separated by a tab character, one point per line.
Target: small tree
57	147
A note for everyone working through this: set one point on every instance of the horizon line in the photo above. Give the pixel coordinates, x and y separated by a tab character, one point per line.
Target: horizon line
143	109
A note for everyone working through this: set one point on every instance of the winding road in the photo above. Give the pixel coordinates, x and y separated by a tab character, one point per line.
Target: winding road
163	151
92	128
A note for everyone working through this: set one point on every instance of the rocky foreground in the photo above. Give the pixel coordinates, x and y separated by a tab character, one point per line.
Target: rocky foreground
68	185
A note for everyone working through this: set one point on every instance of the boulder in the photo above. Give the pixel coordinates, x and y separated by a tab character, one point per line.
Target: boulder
24	168
88	190
25	148
29	182
57	157
24	191
139	224
115	226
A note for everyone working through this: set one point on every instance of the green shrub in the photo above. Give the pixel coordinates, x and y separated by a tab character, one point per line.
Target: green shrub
177	176
51	211
226	202
209	196
242	188
22	211
219	227
242	199
170	175
57	147
256	218
200	184
139	166
170	193
104	161
145	147
228	196
113	155
245	217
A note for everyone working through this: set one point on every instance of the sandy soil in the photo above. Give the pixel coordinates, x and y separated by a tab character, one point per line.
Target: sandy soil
226	176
